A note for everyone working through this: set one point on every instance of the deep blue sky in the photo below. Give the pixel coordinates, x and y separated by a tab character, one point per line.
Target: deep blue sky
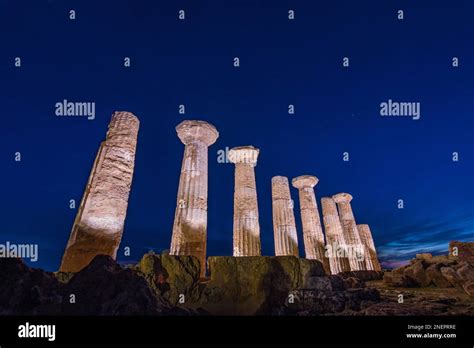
282	62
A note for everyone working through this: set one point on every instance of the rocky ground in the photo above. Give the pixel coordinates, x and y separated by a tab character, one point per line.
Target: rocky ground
171	285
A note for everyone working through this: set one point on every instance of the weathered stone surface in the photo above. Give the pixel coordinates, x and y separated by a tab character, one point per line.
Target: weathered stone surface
189	236
246	225
317	302
171	276
469	287
351	234
312	230
99	222
335	252
451	276
461	251
363	275
424	256
398	280
284	226
101	288
255	285
416	272
371	260
466	271
436	278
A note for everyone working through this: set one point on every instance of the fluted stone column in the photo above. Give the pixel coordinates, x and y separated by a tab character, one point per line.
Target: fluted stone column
351	235
246	225
371	259
335	242
190	222
313	236
284	227
99	222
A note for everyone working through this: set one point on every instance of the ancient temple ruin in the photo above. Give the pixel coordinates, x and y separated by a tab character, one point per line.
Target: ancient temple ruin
246	225
353	244
190	222
99	222
284	226
313	236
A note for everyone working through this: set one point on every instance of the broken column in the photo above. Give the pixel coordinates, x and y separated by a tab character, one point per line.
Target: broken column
354	246
190	222
371	259
312	231
246	225
99	222
335	242
284	227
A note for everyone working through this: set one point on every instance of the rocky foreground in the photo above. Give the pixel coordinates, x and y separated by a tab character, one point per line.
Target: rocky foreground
171	285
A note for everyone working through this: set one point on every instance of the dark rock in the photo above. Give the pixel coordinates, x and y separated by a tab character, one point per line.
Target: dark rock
465	272
352	283
256	284
398	280
451	276
101	288
105	288
416	272
314	302
362	275
436	277
171	276
64	277
469	287
27	291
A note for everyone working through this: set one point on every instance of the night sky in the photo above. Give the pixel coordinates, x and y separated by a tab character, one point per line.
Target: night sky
282	62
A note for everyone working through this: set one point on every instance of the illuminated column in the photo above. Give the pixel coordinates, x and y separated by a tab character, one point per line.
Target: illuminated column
312	231
371	259
284	228
99	222
190	222
351	235
246	226
335	243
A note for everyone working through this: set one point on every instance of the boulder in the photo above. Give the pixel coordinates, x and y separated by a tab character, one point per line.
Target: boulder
436	278
461	251
398	280
101	288
423	256
416	272
451	276
257	284
363	275
466	272
469	287
172	276
353	283
314	302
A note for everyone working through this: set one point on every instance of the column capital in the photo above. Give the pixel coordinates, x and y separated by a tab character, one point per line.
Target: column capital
244	154
303	181
195	130
342	197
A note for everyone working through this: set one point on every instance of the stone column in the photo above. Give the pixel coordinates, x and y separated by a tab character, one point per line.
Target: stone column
190	221
246	225
371	259
335	242
99	222
312	231
284	227
354	245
